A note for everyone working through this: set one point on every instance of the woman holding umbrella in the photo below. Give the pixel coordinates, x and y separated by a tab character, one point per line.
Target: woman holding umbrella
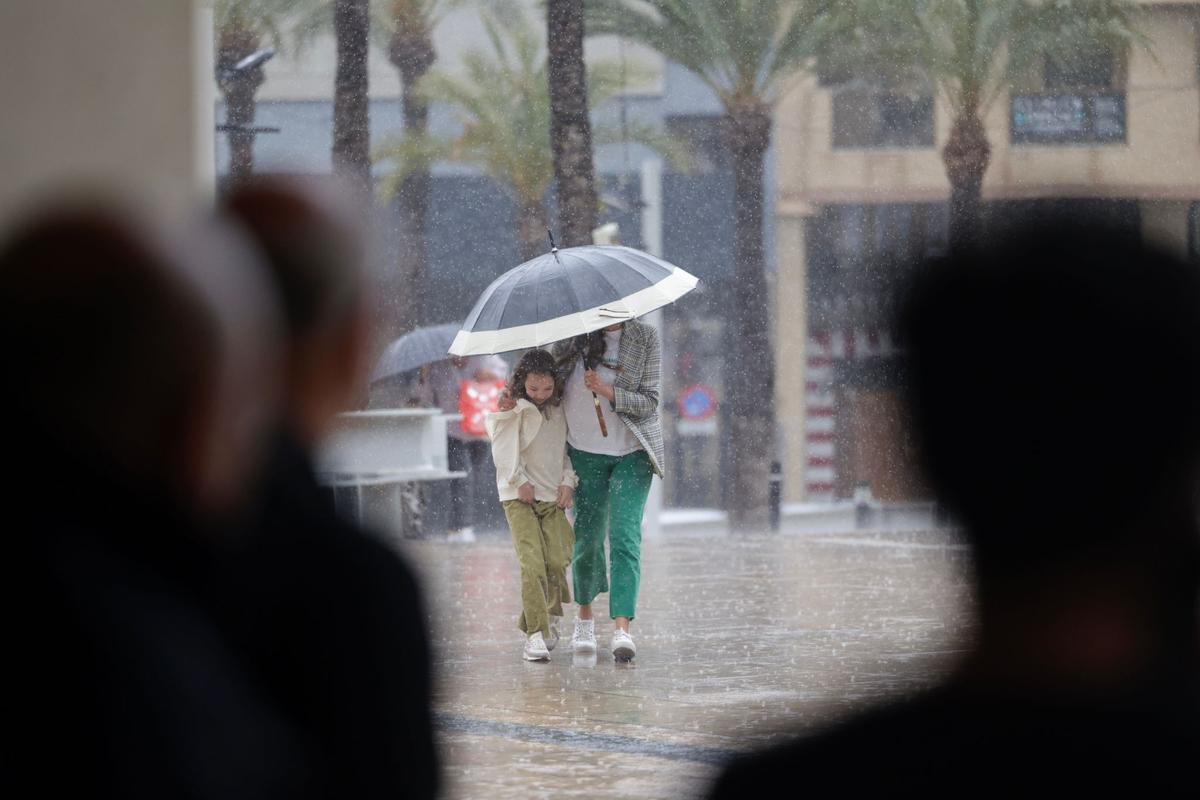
586	301
615	456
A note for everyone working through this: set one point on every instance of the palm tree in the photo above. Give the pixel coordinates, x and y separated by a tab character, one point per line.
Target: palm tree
570	125
747	53
351	113
242	28
973	51
503	102
409	26
406	34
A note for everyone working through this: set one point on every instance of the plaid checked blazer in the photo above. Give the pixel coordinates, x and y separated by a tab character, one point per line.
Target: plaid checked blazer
637	386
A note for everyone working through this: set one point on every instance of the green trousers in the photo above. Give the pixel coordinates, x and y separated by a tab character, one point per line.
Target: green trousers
609	501
543	539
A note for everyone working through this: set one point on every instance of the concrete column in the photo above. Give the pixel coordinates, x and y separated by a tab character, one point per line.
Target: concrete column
1165	223
791	351
117	93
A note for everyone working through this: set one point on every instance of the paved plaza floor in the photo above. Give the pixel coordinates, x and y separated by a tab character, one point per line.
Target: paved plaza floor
742	640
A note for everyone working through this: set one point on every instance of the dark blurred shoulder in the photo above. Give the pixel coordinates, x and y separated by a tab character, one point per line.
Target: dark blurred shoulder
862	752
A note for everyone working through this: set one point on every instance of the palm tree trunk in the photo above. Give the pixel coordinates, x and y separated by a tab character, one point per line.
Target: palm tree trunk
966	155
570	127
351	117
531	228
750	368
413	55
239	117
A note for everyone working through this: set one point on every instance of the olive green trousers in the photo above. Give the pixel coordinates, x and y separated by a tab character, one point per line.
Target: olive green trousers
543	539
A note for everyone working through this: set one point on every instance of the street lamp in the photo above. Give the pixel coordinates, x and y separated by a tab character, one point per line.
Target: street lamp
252	61
239	82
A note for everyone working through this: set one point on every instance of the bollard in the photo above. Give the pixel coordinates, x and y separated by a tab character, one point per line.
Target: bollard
776	493
862	506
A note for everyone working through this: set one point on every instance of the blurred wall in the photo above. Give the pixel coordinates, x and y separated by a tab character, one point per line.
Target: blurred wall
117	91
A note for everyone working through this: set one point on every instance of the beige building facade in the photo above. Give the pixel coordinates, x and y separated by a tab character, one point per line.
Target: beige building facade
861	187
107	93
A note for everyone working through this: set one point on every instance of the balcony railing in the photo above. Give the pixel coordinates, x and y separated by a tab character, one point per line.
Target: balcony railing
1067	118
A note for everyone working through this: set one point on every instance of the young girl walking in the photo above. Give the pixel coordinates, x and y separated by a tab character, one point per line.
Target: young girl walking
536	485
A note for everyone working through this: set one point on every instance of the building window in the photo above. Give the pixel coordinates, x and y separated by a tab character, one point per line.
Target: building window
859	256
1081	102
873	110
1090	71
866	116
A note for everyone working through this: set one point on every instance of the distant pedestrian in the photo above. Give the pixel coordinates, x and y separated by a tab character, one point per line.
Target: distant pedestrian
536	484
468	387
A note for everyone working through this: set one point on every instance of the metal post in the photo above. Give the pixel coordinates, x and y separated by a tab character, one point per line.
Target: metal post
776	494
862	506
652	237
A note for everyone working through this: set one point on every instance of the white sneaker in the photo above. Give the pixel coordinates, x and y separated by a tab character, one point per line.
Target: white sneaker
622	645
552	640
461	536
584	638
535	648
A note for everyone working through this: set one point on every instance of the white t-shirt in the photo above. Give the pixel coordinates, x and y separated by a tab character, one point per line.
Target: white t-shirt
583	429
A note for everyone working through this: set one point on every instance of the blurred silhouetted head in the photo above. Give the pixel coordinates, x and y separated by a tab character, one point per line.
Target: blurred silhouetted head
134	354
314	248
1055	387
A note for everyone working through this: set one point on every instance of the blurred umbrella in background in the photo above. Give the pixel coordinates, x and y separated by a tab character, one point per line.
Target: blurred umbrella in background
414	350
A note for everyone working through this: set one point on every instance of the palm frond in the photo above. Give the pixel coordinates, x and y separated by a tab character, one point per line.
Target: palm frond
741	49
673	149
406	154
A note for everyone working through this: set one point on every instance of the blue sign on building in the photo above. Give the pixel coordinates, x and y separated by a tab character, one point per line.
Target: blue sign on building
697	403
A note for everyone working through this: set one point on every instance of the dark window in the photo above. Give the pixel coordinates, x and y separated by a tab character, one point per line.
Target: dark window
859	256
1087	71
868	117
874	109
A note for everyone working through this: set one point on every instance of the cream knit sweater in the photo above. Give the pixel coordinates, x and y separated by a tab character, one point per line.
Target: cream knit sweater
530	447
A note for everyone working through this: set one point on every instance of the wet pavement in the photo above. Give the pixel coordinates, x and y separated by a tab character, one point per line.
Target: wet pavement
741	641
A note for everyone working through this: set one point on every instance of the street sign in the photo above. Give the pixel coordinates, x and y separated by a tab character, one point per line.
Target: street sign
697	403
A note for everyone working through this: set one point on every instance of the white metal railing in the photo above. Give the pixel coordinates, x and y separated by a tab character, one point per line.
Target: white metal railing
384	447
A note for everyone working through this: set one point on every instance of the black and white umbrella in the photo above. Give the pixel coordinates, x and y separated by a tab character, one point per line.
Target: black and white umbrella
568	292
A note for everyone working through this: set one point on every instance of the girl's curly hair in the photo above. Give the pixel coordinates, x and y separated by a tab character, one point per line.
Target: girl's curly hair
536	362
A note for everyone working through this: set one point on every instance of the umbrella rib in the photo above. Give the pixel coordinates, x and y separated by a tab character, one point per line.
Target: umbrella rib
610	285
509	287
638	260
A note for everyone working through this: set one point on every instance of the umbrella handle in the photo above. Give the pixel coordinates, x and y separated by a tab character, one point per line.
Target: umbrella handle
600	416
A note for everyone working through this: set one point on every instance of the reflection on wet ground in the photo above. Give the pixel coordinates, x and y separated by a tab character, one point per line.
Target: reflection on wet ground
741	641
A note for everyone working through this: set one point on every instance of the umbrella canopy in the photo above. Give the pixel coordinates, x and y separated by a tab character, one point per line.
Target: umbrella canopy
415	349
568	292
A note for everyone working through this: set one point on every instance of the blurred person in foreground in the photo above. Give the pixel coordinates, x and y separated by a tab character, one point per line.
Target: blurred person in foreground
140	385
1054	384
330	617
